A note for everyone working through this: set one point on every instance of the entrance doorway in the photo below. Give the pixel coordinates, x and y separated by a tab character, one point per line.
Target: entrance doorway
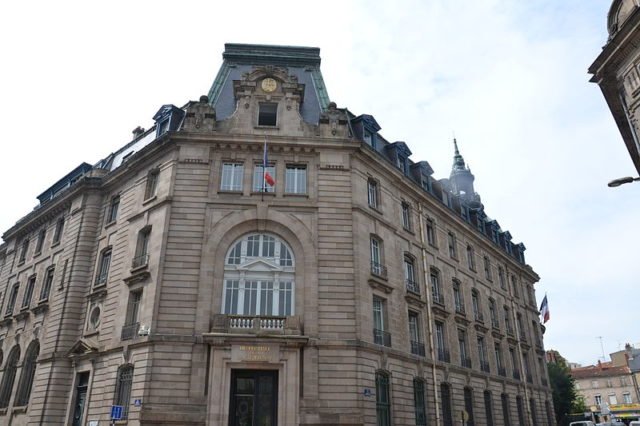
254	398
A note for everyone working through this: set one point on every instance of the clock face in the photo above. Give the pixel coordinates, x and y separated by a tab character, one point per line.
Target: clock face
269	85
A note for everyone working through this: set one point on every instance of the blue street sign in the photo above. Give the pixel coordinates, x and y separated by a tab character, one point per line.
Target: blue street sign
367	392
116	412
137	403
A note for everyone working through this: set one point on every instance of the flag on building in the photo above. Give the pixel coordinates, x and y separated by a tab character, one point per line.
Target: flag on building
544	310
265	163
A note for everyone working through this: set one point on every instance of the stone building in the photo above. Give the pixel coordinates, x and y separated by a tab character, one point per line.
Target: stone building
617	71
172	280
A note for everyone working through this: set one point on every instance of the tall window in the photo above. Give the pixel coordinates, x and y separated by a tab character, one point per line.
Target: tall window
27	375
103	266
598	399
465	361
488	408
514	284
231	177
259	182
436	292
522	332
410	275
431	232
13	296
514	363
506	412
534	414
383	400
112	213
487	268
447	412
9	376
142	248
507	320
40	242
57	234
441	348
47	283
458	300
418	402
406	216
475	303
499	363
25	248
482	354
520	407
377	267
152	184
259	277
415	336
296	179
471	258
468	405
503	281
131	324
267	114
372	192
380	335
493	314
28	293
453	251
123	389
626	398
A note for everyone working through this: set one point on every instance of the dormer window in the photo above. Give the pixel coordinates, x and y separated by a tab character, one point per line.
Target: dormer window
267	114
368	138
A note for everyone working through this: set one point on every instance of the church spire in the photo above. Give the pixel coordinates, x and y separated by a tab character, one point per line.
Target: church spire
458	161
461	177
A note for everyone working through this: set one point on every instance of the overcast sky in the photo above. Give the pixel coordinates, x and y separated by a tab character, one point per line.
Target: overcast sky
508	77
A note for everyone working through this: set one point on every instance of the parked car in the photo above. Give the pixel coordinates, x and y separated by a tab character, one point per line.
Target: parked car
582	423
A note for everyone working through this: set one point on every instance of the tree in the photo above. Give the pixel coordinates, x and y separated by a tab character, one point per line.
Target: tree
566	399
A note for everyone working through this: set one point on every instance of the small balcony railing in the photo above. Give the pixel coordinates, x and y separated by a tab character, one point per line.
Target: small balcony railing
438	297
502	371
417	348
460	308
130	331
378	269
412	286
484	366
140	261
478	316
465	362
443	355
381	337
516	374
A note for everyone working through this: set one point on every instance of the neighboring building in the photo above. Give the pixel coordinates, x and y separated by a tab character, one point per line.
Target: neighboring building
608	389
170	280
629	357
617	72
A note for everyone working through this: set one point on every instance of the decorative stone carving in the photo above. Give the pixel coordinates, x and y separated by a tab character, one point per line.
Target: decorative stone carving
201	117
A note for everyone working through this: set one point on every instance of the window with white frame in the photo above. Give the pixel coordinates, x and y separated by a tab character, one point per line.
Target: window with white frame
259	277
626	398
260	183
372	193
377	267
406	216
453	250
296	179
471	258
410	275
598	399
431	232
613	399
232	177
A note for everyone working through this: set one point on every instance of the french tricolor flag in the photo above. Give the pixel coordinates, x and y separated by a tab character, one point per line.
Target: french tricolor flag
544	310
265	163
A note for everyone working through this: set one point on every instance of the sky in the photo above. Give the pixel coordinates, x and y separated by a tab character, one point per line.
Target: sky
508	78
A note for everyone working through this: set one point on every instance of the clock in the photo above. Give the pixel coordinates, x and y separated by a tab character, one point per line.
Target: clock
269	85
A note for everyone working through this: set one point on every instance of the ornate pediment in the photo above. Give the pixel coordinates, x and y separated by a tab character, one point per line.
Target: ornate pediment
259	265
83	347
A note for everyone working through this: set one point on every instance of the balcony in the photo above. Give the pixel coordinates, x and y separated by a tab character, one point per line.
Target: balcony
140	261
256	324
412	286
502	371
484	366
443	355
381	337
417	348
465	362
379	270
130	331
460	309
516	374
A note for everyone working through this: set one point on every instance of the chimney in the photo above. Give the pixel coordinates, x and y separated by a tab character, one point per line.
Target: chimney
137	132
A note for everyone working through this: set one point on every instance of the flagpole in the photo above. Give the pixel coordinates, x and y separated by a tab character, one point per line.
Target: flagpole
264	169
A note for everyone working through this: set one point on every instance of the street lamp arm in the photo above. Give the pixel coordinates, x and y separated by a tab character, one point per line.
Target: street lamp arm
622	181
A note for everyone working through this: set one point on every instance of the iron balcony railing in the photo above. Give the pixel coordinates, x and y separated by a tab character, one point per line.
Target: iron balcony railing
140	261
417	348
381	337
484	366
465	362
378	269
502	371
130	331
516	374
443	355
412	286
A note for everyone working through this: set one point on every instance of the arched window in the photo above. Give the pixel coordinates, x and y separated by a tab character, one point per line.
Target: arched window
9	377
259	277
28	372
123	389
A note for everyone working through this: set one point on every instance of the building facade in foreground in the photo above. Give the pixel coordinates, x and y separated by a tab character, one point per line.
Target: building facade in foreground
172	279
617	71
